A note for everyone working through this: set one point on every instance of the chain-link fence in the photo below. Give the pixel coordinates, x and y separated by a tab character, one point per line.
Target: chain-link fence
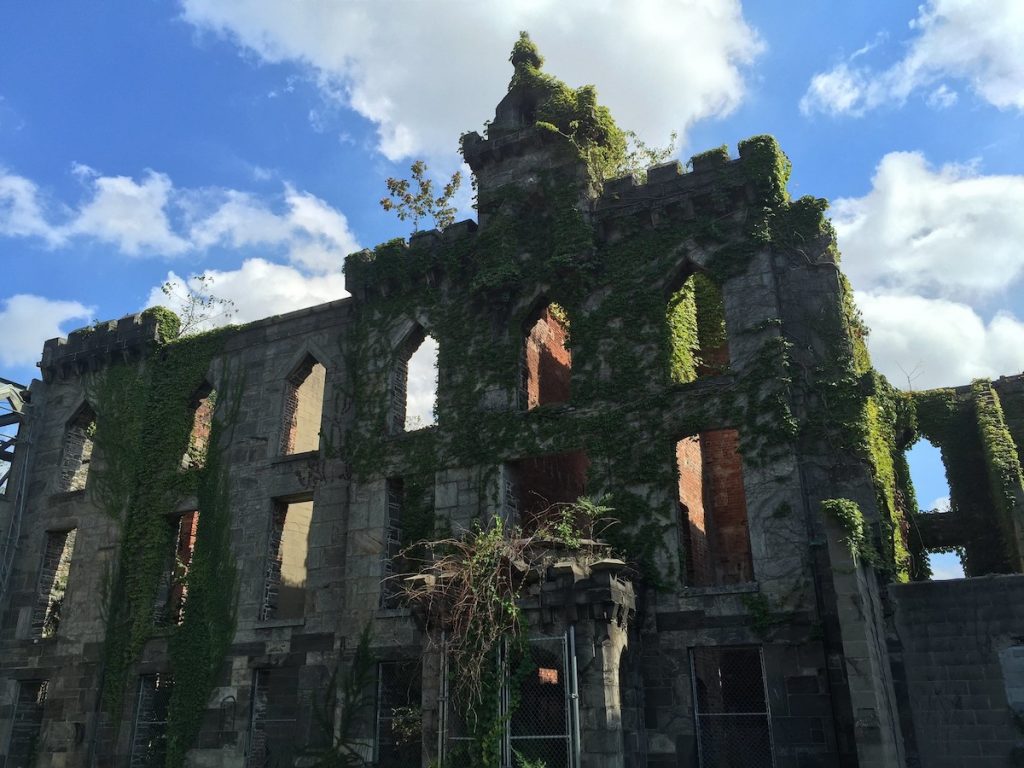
731	708
538	704
539	729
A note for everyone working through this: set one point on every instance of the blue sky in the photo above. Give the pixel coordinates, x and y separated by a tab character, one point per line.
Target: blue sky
250	140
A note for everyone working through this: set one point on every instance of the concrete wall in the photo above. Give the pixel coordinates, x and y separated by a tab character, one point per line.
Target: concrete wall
949	640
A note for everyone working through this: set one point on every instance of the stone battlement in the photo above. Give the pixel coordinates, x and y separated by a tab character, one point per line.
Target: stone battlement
95	345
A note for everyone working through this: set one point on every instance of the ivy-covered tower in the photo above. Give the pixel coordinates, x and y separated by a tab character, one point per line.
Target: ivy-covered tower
654	510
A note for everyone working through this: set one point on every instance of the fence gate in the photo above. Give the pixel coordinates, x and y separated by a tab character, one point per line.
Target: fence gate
539	702
731	707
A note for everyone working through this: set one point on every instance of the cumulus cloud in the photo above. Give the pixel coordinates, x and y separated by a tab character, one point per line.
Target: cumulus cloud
131	215
421	97
152	216
314	235
21	210
258	289
938	342
946	231
978	44
30	320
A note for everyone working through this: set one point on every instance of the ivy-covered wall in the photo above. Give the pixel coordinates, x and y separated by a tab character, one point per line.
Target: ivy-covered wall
698	299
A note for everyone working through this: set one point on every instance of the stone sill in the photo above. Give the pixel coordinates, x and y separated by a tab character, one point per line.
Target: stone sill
296	457
722	589
278	623
397	436
393	613
68	495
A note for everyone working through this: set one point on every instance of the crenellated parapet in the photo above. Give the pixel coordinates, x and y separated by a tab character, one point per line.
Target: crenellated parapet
94	346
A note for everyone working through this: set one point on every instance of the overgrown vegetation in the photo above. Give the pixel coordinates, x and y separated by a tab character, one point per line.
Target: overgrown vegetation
144	423
421	203
847	513
470	588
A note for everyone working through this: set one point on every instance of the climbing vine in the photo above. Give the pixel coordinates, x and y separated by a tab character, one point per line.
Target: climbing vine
144	423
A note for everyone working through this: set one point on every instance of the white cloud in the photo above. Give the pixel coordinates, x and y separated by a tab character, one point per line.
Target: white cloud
976	43
422	92
939	343
30	320
940	504
152	217
314	235
21	211
129	214
948	231
260	288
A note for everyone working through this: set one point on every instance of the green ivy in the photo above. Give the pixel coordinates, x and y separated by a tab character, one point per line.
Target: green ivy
144	422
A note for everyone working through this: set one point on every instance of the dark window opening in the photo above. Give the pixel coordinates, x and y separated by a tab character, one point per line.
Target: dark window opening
78	447
390	585
714	531
303	407
284	590
272	718
547	361
53	583
399	734
537	488
698	341
414	383
731	708
202	422
172	592
26	724
149	734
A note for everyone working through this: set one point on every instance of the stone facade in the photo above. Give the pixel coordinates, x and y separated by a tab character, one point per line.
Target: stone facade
742	626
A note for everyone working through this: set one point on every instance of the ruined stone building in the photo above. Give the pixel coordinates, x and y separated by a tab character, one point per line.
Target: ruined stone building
200	538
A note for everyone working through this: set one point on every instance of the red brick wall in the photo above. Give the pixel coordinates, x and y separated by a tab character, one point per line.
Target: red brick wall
549	480
548	362
715	533
692	523
724	472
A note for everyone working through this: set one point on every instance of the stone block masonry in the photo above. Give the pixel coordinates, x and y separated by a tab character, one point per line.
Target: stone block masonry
681	354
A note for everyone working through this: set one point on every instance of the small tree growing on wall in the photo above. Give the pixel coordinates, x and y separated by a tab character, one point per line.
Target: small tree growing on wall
421	203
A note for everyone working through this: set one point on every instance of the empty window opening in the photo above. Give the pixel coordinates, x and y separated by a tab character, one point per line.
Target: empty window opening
714	532
698	342
414	384
937	534
547	361
53	583
149	733
537	488
731	708
26	724
173	590
78	446
284	591
272	718
303	407
398	727
202	422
